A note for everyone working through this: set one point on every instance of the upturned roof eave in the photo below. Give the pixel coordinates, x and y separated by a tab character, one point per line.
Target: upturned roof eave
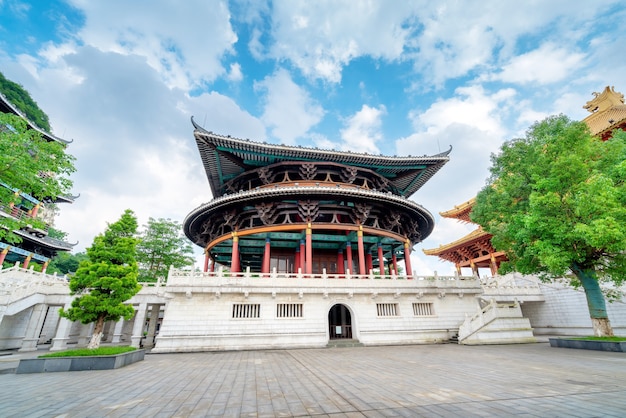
208	142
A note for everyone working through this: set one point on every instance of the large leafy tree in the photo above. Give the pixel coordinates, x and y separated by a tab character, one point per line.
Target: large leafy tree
21	99
162	245
556	203
107	278
66	263
29	164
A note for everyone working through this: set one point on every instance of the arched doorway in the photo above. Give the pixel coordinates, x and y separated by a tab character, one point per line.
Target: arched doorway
339	322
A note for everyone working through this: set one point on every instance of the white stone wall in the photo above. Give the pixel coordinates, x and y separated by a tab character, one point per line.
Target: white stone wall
204	321
13	329
565	312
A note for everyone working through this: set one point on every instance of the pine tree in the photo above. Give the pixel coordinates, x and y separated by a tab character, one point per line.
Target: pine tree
107	278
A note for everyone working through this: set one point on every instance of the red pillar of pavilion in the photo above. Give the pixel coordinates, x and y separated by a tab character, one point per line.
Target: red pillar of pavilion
27	261
206	261
341	269
302	253
3	254
309	249
349	257
296	260
234	262
381	261
394	261
361	251
44	267
407	260
266	257
369	262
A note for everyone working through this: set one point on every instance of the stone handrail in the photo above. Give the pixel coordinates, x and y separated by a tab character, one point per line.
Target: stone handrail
179	279
487	315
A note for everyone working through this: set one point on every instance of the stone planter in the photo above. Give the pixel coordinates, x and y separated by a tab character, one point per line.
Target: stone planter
71	364
618	346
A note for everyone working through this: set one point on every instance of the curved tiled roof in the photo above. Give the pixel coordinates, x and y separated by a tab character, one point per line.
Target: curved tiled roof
7	107
225	157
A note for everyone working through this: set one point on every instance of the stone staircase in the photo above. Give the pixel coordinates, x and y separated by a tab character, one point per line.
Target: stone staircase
497	323
343	343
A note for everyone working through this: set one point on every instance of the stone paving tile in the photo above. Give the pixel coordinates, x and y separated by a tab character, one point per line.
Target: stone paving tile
425	380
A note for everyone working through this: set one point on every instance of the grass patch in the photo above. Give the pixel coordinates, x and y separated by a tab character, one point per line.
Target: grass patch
611	339
85	352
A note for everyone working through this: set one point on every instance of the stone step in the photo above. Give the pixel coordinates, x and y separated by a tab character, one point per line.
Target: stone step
340	343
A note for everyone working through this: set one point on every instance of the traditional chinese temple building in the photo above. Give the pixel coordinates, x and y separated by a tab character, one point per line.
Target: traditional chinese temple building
474	250
304	246
36	245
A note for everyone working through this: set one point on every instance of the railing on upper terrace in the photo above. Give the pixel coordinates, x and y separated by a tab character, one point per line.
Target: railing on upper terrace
194	278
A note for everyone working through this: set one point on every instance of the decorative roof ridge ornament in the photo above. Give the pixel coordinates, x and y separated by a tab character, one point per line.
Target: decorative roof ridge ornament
605	100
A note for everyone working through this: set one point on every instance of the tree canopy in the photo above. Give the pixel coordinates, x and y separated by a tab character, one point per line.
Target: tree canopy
107	278
21	99
556	203
29	164
162	245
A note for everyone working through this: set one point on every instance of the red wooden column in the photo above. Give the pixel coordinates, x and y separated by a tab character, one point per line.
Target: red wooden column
44	267
407	260
296	260
394	261
493	265
27	261
369	262
206	261
302	254
341	268
212	269
361	250
349	257
3	254
266	257
381	261
234	261
309	249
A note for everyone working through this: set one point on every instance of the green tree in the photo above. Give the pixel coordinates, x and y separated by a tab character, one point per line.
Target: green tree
556	203
21	99
162	245
29	164
107	278
66	263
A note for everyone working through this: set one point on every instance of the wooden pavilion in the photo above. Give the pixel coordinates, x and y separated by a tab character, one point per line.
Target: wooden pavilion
303	210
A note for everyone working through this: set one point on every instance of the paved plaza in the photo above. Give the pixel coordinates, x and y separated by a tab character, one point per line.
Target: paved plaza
531	380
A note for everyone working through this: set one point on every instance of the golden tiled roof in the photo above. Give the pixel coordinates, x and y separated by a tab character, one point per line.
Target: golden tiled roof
460	212
608	111
471	237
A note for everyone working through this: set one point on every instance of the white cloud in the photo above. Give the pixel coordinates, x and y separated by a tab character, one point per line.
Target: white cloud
363	130
547	64
235	73
183	41
289	110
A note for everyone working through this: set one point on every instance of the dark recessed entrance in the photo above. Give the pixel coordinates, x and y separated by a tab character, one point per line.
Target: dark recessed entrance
339	322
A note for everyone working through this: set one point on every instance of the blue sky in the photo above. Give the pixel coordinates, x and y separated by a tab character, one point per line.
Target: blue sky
123	78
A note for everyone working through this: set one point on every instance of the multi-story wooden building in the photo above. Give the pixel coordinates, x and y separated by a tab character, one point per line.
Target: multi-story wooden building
36	246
